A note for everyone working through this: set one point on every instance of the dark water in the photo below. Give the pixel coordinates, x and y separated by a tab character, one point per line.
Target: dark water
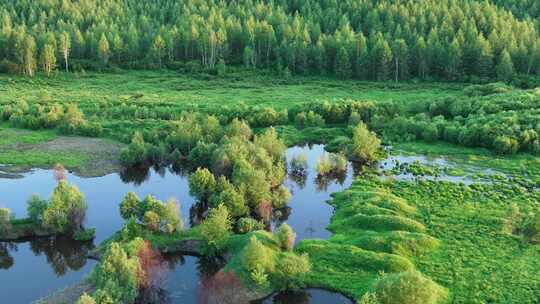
30	270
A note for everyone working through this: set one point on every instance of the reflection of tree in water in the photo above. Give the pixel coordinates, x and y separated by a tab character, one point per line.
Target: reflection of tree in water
206	269
296	297
6	260
281	215
62	253
135	175
299	179
322	182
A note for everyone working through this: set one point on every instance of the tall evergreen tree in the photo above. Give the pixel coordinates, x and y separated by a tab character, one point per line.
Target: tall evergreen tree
103	50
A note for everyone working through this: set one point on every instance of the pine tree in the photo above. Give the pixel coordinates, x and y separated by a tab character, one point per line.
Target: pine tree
157	49
505	68
381	56
343	64
103	50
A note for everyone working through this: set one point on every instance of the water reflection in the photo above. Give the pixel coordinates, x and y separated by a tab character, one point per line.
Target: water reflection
61	252
307	213
308	296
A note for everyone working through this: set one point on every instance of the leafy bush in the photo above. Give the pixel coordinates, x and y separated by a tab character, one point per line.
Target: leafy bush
85	235
289	270
202	184
286	237
365	144
409	287
86	299
130	206
116	276
36	208
67	209
216	229
248	224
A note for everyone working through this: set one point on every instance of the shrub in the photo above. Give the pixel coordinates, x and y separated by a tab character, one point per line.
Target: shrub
228	196
130	206
171	219
531	228
85	235
216	228
136	152
151	220
289	269
86	299
409	287
116	277
67	209
5	219
505	145
286	237
35	208
324	165
257	257
365	144
248	224
330	163
202	184
271	143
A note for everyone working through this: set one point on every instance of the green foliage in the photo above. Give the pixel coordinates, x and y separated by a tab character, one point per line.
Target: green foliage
289	270
85	235
66	210
286	237
227	195
409	287
216	229
397	43
130	206
136	152
86	299
151	220
5	219
202	184
116	276
366	145
257	257
36	208
248	224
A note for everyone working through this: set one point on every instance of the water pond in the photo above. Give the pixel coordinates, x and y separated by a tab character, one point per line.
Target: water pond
33	269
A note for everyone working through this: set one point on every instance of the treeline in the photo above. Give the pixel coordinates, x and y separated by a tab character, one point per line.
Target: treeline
362	39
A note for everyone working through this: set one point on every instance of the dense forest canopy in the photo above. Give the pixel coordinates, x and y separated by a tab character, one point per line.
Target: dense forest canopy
364	39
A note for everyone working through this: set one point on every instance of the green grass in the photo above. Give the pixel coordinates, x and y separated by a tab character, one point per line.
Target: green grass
375	232
464	247
20	149
250	87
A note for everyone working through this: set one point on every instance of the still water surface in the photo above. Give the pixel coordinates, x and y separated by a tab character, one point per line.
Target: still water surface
33	269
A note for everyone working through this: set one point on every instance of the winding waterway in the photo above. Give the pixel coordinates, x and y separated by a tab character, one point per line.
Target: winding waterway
33	269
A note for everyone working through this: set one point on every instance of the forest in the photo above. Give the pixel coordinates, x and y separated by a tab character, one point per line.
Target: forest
360	39
270	151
